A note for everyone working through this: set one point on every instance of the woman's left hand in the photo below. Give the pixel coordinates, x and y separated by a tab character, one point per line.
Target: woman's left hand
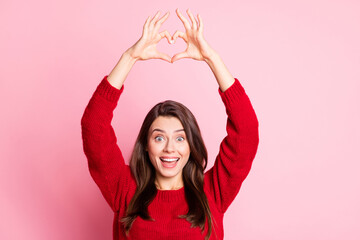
197	47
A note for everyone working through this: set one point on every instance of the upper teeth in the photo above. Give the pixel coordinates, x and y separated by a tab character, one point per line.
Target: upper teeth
169	159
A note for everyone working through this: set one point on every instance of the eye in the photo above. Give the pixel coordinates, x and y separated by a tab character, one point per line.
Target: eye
180	139
159	138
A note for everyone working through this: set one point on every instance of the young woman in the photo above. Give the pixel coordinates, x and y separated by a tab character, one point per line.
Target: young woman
165	194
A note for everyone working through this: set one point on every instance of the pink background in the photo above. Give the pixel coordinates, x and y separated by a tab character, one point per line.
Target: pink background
299	62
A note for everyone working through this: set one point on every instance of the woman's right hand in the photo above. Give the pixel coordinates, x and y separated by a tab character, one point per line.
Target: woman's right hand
145	47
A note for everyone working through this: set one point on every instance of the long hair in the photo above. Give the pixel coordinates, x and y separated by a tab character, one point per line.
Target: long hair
192	174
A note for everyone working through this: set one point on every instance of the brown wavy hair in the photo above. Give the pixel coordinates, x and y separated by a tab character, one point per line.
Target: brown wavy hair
192	174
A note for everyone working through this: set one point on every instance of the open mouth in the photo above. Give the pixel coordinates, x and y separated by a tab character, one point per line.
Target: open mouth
169	160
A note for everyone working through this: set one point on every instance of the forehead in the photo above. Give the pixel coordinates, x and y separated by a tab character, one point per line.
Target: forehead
166	123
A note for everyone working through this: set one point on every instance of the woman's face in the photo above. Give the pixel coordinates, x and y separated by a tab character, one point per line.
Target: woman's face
168	147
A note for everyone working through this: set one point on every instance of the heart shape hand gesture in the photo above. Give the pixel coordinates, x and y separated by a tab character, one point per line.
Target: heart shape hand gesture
197	47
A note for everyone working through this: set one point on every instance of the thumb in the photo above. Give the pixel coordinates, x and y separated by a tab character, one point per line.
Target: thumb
179	56
164	57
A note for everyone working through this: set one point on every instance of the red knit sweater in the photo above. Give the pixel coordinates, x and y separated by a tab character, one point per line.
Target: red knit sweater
221	183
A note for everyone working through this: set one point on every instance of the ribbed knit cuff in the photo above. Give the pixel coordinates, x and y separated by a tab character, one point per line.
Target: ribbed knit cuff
109	92
233	93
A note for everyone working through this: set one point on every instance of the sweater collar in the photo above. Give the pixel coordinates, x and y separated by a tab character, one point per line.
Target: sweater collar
171	195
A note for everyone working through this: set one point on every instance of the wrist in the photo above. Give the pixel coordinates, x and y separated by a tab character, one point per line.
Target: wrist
211	57
119	73
128	54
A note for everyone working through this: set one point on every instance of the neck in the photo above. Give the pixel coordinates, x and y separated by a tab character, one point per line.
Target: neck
168	184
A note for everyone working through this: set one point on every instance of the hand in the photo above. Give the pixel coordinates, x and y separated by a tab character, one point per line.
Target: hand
197	47
145	47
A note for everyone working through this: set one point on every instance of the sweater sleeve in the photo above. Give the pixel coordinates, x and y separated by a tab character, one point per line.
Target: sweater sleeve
105	161
237	150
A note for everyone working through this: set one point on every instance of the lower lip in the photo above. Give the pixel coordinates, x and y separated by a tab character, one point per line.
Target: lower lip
169	164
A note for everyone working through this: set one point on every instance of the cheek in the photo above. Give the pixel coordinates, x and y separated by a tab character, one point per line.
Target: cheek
152	158
184	150
153	150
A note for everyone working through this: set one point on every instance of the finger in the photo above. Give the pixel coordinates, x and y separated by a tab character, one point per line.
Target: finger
161	21
179	56
193	21
201	24
146	25
167	35
183	19
179	34
163	18
155	18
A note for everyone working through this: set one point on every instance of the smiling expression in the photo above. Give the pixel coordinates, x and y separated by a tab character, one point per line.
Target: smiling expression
168	148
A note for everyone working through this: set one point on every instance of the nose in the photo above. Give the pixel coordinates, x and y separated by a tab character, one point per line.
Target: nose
169	147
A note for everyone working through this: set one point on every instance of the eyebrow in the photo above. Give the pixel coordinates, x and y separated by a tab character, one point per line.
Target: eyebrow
160	130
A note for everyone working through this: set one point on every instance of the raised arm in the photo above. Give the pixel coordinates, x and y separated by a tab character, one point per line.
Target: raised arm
239	147
106	163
